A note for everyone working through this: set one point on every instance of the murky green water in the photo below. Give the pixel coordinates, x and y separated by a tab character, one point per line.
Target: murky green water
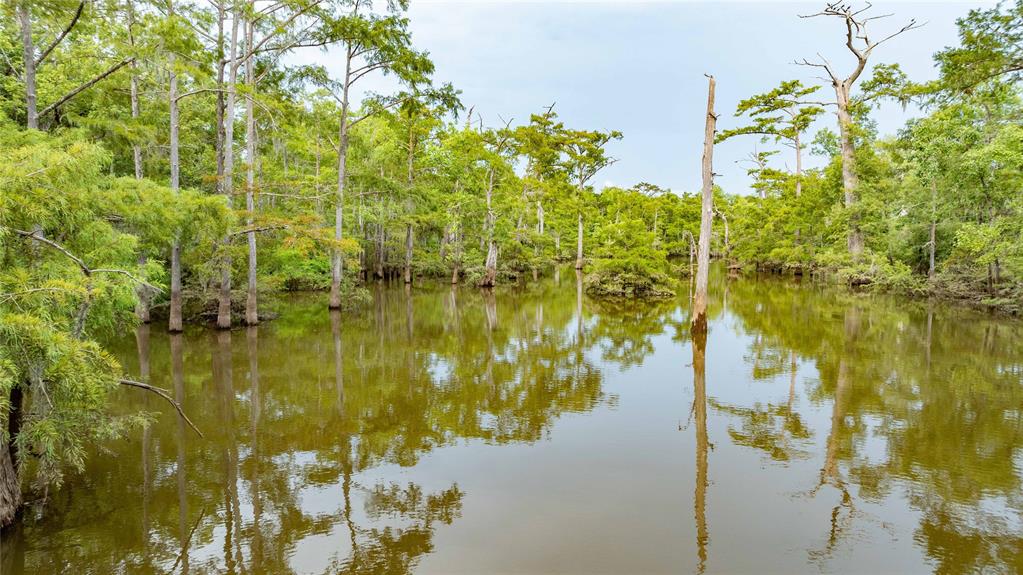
537	431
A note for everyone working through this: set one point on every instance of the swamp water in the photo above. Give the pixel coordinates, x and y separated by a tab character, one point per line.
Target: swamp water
534	430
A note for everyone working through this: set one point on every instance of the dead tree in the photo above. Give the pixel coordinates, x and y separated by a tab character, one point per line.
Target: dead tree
699	324
861	46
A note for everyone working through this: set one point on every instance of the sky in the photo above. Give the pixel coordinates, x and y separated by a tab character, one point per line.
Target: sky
638	67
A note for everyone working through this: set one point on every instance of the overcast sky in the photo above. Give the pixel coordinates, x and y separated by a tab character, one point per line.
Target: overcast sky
638	67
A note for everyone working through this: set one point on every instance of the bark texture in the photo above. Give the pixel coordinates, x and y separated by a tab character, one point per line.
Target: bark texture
699	321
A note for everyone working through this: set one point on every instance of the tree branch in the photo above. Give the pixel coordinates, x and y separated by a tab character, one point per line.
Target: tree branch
162	393
258	229
198	91
85	86
62	35
35	235
130	275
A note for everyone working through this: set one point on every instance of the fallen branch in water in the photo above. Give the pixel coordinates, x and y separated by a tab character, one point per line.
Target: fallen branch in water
162	393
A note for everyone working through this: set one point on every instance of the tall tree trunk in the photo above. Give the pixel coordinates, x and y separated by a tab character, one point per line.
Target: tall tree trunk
141	291
136	148
409	240
579	242
175	321
699	323
339	198
221	101
490	271
142	296
456	256
798	145
380	251
850	180
29	59
409	234
728	245
540	225
932	243
227	183
657	239
251	304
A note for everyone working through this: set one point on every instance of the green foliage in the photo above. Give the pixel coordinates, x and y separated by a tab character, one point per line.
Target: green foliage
626	263
80	280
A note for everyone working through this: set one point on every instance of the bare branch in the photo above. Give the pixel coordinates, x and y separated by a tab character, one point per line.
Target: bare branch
85	86
258	229
60	37
130	275
198	91
911	26
162	393
36	235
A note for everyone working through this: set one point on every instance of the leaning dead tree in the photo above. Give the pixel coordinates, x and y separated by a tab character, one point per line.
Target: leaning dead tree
699	324
860	44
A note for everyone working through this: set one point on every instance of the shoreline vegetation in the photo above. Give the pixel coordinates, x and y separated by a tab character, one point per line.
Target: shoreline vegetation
159	162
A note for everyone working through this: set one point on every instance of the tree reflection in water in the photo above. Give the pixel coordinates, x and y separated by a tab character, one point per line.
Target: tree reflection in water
313	423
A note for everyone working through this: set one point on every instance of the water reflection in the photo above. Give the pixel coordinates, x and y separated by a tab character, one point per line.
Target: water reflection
850	433
699	344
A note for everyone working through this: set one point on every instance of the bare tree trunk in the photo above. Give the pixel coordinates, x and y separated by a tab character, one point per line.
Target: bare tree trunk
445	239
251	304
143	296
728	245
136	149
29	59
699	323
456	256
579	243
175	320
339	198
141	291
490	273
227	184
380	251
219	143
850	181
409	239
932	244
657	239
797	143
